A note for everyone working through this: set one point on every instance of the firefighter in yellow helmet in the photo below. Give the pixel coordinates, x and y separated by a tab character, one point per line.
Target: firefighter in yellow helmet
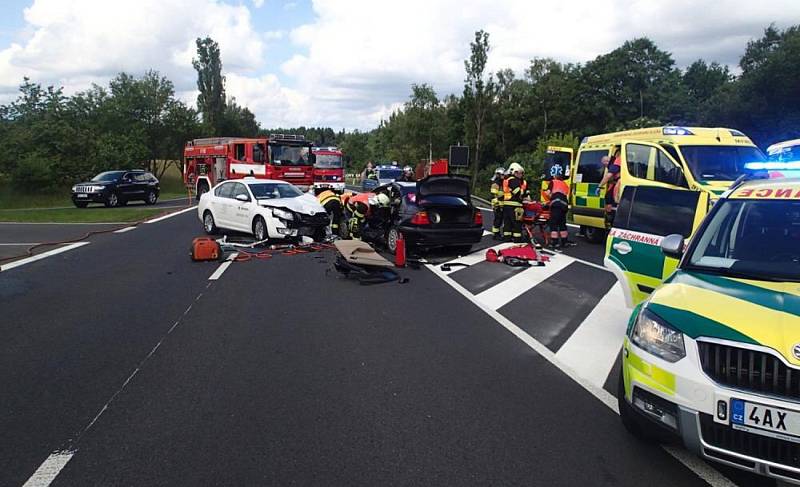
496	191
515	188
334	206
361	206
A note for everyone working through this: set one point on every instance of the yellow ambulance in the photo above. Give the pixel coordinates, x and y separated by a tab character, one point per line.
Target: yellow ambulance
692	158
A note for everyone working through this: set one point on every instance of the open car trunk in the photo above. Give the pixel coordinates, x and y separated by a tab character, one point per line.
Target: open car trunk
446	199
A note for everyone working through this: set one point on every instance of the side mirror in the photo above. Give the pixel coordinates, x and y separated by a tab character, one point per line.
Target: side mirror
672	246
243	198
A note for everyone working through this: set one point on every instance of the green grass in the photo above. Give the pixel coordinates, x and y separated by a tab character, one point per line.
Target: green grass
80	215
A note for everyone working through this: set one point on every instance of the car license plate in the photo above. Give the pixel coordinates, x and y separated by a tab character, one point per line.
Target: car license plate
82	195
765	420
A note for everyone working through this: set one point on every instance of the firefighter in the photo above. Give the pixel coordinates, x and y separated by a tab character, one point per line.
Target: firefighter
558	195
334	206
360	207
497	202
515	188
408	175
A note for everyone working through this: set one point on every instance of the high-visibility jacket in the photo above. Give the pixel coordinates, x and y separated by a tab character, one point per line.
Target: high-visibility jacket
326	197
497	192
559	186
363	198
514	190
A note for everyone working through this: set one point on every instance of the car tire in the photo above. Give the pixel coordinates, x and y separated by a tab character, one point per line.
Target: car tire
260	231
81	204
594	235
112	200
209	225
636	425
150	198
391	239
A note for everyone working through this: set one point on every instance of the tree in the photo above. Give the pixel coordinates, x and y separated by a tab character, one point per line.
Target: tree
478	95
211	84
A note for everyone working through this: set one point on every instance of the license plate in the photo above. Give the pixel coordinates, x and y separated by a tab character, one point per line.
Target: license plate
83	195
765	420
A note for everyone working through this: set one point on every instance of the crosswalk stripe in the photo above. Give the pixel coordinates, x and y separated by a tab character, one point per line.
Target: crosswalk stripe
593	348
508	290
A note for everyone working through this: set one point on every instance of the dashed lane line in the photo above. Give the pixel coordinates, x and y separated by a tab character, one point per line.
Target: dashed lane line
49	469
701	469
126	229
170	215
223	267
43	255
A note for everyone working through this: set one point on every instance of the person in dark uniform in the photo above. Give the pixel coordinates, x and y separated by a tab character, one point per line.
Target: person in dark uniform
514	190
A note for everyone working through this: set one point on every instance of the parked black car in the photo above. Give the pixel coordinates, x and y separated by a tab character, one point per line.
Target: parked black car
116	188
434	212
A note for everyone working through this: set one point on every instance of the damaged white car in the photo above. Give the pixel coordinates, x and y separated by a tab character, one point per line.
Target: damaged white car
264	208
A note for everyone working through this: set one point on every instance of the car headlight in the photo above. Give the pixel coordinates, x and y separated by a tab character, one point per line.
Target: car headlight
283	214
97	189
654	335
74	188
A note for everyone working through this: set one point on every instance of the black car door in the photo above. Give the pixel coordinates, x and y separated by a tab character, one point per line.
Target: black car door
126	186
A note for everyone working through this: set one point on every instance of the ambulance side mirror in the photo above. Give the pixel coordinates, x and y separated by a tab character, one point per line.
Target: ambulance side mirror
672	246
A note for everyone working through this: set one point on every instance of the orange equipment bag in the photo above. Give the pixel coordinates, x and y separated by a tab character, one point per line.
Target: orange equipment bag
205	248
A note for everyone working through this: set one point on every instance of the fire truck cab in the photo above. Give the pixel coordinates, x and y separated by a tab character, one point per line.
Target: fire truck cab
328	169
210	160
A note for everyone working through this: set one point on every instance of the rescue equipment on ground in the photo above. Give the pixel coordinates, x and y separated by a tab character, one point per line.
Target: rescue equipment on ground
204	249
519	255
359	260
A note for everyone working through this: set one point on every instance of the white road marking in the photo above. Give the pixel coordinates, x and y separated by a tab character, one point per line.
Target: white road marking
162	218
43	255
499	295
19	244
700	468
61	223
126	229
49	469
593	348
222	267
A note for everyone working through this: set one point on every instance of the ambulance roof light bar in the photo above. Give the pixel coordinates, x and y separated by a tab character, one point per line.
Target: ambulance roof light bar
772	165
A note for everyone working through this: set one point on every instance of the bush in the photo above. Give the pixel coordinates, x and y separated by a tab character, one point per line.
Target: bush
34	172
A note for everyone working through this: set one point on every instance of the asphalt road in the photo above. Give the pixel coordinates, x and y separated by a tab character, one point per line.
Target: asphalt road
125	359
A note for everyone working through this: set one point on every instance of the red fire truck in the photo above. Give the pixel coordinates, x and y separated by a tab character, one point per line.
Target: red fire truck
211	160
328	169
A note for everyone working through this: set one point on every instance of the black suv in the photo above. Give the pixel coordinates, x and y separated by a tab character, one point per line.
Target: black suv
116	188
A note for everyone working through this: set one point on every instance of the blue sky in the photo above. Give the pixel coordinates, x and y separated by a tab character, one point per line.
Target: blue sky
350	63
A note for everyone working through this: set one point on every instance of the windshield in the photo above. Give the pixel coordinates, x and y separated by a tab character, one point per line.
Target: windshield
719	162
271	191
759	239
287	155
787	154
108	176
389	173
328	161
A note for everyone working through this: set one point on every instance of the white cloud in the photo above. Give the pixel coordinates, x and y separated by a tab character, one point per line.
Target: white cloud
289	6
258	3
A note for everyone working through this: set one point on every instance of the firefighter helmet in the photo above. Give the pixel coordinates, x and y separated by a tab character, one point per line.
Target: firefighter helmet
515	167
500	170
383	200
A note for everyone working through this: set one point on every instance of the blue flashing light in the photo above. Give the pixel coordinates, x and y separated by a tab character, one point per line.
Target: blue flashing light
676	131
772	165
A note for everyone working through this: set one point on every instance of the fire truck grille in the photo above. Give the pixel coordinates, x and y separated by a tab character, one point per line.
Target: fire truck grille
749	370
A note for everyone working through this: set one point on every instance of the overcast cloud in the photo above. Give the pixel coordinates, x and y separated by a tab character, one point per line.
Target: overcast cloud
354	60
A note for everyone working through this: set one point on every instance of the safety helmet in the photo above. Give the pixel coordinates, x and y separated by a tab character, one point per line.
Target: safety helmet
514	167
500	170
383	200
407	169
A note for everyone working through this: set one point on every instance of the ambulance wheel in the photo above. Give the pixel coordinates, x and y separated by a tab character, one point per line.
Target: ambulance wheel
112	200
259	229
208	223
391	239
635	423
594	235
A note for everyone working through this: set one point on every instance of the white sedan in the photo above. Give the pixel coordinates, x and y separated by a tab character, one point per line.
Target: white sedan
264	208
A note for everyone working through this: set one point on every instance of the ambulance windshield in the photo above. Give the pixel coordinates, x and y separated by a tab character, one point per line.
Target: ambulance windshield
719	162
751	238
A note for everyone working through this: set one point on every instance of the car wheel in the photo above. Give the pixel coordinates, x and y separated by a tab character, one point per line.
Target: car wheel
81	204
260	229
112	200
208	223
636	425
595	235
392	236
151	198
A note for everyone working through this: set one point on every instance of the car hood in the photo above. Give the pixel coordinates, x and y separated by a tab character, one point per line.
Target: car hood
305	204
743	310
94	183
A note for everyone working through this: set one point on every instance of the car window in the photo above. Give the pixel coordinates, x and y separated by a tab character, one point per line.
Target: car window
638	159
140	177
589	166
239	189
107	176
657	211
224	190
667	171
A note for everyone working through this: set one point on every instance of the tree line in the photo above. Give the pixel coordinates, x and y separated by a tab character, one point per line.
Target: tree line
47	138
